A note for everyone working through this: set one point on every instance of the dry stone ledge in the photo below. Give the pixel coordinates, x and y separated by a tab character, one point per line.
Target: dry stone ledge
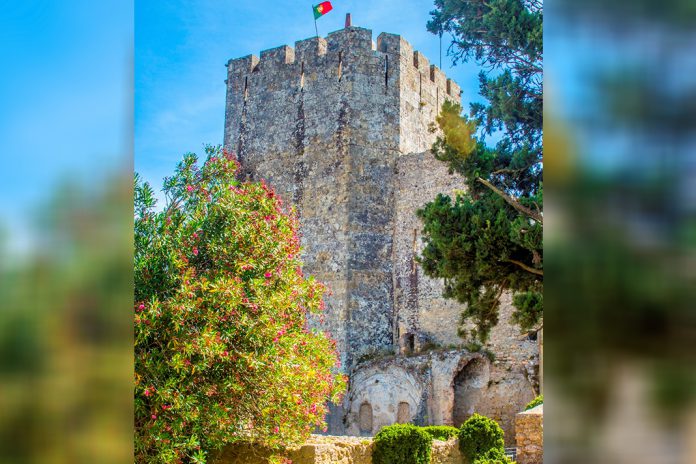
332	450
529	428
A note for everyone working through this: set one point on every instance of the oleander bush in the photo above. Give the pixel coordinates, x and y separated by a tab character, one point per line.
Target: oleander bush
222	349
402	444
441	432
479	435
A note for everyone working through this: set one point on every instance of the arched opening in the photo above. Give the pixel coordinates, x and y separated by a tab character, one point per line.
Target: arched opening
403	413
365	418
469	384
409	343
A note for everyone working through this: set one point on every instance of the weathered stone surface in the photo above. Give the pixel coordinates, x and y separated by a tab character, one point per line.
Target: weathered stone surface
529	432
332	450
446	452
340	128
440	387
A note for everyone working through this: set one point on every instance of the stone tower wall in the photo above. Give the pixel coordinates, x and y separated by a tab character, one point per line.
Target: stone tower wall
326	123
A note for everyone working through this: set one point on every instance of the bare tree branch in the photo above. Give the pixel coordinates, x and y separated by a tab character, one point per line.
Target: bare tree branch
526	268
512	202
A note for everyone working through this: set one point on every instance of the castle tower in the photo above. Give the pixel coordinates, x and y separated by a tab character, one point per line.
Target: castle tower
340	128
325	124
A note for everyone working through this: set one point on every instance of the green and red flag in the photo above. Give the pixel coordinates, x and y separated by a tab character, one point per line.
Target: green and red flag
321	9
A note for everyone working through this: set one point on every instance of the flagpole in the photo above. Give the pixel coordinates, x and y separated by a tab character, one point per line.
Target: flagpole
315	27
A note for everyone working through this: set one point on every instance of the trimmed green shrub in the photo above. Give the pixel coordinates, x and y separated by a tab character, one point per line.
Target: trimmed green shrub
535	402
441	432
493	456
478	435
402	444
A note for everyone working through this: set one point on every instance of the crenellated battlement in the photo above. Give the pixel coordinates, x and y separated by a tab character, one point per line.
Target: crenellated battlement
341	48
310	49
278	55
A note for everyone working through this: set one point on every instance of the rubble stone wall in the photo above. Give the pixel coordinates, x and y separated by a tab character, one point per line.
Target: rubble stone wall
530	436
332	450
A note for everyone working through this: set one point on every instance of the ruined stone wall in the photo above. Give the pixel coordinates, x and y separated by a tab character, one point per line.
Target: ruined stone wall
530	436
439	387
424	320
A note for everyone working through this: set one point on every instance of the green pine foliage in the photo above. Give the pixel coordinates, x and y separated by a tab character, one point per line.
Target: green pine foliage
402	444
535	402
222	349
479	435
441	432
489	239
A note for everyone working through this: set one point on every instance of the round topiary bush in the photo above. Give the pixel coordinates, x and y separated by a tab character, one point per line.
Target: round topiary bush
402	444
441	432
478	435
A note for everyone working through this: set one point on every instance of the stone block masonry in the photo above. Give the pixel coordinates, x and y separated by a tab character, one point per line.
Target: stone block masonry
332	450
340	127
530	436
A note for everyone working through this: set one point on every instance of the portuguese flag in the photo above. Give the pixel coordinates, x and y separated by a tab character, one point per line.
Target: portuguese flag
321	9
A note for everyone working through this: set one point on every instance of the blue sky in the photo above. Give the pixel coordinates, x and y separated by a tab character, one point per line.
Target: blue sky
66	93
181	48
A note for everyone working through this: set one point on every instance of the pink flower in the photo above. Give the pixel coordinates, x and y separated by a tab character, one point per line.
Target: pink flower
268	275
189	188
275	340
313	408
154	416
276	429
195	235
195	251
141	307
225	353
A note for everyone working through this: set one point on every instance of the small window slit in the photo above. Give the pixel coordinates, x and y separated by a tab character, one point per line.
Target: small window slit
340	66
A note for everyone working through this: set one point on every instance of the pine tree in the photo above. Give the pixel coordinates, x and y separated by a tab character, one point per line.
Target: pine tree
488	240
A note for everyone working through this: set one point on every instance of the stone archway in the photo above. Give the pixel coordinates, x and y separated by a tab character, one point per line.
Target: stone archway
403	413
365	418
380	389
469	385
